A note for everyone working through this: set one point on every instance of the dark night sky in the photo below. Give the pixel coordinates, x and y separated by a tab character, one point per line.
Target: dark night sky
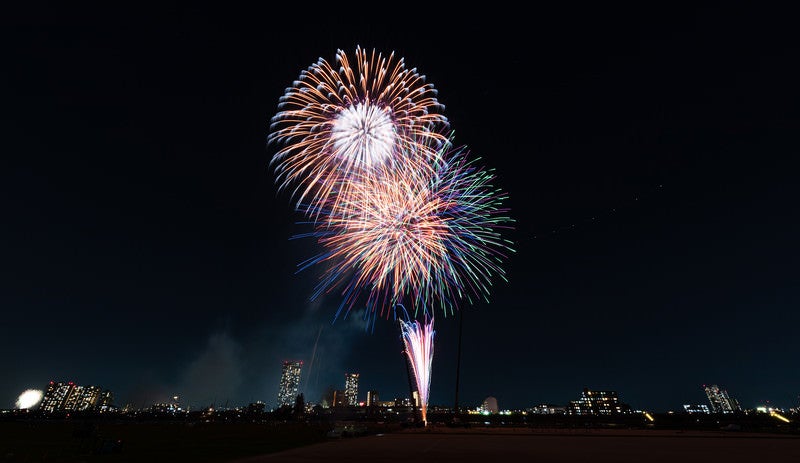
649	155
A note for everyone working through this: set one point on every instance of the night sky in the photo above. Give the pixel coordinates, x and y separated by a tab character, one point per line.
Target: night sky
649	154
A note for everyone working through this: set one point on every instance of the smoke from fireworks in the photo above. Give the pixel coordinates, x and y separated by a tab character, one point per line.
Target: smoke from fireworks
425	238
339	120
418	340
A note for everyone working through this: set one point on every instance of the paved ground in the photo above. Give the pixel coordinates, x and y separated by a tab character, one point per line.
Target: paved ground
547	447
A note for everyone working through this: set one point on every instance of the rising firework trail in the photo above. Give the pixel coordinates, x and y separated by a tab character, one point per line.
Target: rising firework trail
418	340
313	356
347	118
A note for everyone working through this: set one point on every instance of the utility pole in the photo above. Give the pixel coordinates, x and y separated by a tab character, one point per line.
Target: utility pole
456	411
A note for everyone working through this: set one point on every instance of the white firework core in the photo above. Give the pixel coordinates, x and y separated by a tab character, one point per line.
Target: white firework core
363	134
29	399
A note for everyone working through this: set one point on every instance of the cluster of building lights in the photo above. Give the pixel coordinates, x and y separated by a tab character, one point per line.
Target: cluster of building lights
71	397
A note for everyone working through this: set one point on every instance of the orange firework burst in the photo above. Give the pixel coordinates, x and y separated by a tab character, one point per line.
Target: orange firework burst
429	238
339	121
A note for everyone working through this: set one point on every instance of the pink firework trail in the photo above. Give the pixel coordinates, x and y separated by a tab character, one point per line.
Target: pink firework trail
418	340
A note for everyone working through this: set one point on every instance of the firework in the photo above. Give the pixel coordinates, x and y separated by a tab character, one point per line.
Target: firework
425	238
29	399
401	215
418	341
344	119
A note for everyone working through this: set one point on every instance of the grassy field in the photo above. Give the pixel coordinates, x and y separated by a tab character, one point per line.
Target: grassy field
65	441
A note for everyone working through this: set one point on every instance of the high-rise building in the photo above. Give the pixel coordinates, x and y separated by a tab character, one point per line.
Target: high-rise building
72	397
55	396
290	382
721	401
83	398
372	398
597	403
351	388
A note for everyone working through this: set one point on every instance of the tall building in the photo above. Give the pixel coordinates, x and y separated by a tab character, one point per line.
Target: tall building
351	388
290	382
720	401
597	403
72	397
55	396
372	398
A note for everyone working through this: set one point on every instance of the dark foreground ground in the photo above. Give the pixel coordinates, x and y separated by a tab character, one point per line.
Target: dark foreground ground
136	442
547	446
211	442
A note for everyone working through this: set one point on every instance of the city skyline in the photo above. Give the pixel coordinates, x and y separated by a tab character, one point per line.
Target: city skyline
649	155
64	396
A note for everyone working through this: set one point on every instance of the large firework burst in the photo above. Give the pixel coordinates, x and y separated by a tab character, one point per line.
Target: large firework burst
340	120
427	238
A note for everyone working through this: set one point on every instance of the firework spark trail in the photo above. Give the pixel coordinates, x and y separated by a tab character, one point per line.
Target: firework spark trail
357	119
418	340
426	238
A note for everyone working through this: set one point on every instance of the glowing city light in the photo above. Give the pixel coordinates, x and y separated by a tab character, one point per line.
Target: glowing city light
777	415
29	399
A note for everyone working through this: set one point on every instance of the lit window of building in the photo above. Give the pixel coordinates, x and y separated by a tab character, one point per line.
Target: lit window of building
597	403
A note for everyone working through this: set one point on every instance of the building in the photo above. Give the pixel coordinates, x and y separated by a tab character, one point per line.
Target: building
489	405
597	403
340	398
55	396
548	409
106	401
290	383
404	401
696	408
372	398
351	388
83	398
256	408
71	397
721	401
